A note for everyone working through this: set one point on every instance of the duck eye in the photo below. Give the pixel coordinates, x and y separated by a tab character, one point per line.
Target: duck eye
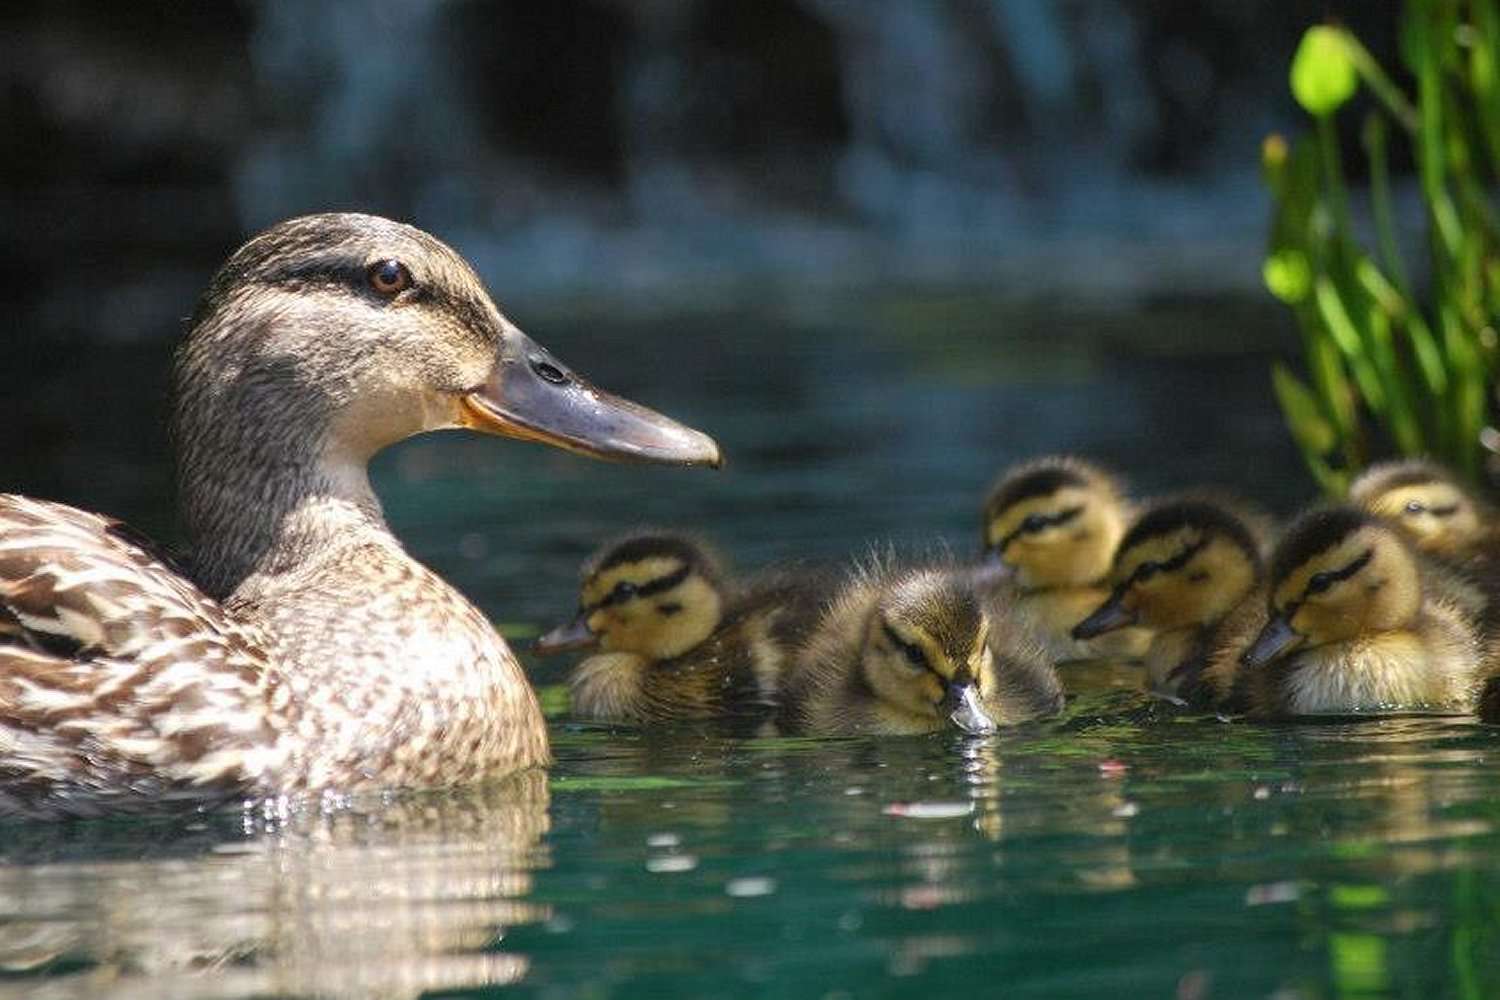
624	591
1319	582
1033	523
1415	507
388	277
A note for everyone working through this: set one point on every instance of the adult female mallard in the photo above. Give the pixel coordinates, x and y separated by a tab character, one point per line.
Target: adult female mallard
308	651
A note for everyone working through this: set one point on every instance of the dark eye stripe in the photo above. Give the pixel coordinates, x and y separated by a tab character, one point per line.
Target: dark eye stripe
1447	511
914	654
1147	570
1038	522
1322	581
647	589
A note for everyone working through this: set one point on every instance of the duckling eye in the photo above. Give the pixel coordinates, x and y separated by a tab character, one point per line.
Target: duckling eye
624	591
915	658
1319	582
389	277
1415	507
1034	523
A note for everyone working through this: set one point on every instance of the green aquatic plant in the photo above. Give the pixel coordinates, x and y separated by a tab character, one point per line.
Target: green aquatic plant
1390	366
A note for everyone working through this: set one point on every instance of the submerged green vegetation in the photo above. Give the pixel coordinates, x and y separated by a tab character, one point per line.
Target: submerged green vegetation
1398	357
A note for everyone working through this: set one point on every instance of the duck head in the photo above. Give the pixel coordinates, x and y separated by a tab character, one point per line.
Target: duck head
1183	563
1336	574
1053	522
329	337
656	595
1424	500
926	650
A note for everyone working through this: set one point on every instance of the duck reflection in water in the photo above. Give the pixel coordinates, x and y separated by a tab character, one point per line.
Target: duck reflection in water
394	897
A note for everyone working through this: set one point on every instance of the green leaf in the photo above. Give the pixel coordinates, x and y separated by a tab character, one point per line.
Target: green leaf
1304	416
1288	275
1323	75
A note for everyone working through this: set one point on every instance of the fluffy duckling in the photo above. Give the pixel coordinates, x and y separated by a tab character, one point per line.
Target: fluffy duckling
916	651
1359	623
1444	520
1430	506
1051	527
1190	570
673	641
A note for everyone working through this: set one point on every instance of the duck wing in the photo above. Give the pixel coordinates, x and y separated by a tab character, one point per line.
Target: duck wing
122	685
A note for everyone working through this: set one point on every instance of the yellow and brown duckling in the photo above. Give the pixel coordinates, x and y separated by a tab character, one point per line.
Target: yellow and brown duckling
1051	527
908	651
672	639
1435	511
1444	520
1359	623
308	651
1190	570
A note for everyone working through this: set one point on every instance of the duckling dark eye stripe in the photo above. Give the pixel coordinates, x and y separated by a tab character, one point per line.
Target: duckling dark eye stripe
1045	521
1146	570
1447	511
1334	576
647	589
913	652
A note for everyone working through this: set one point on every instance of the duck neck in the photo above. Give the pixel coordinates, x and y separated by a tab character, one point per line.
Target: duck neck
259	511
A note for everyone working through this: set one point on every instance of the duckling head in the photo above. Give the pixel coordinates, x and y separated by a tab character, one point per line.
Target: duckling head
1183	563
1424	500
926	652
328	337
655	595
1336	574
1053	522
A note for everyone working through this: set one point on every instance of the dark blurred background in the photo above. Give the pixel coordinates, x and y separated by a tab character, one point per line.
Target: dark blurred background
728	207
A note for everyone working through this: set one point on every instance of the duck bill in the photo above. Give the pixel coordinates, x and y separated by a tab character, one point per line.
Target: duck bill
966	711
1107	617
565	638
532	396
1276	639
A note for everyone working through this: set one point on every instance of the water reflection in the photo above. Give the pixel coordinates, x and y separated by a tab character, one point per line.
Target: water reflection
377	900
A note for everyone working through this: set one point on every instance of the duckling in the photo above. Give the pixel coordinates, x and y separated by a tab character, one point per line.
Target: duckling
675	640
1191	570
1431	507
906	651
308	651
1443	520
1359	623
1051	527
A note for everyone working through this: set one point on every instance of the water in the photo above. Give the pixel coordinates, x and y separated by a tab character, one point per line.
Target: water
1115	852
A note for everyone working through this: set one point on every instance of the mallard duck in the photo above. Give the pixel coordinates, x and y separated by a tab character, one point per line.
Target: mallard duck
906	651
308	651
1190	569
1051	526
1359	623
674	639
